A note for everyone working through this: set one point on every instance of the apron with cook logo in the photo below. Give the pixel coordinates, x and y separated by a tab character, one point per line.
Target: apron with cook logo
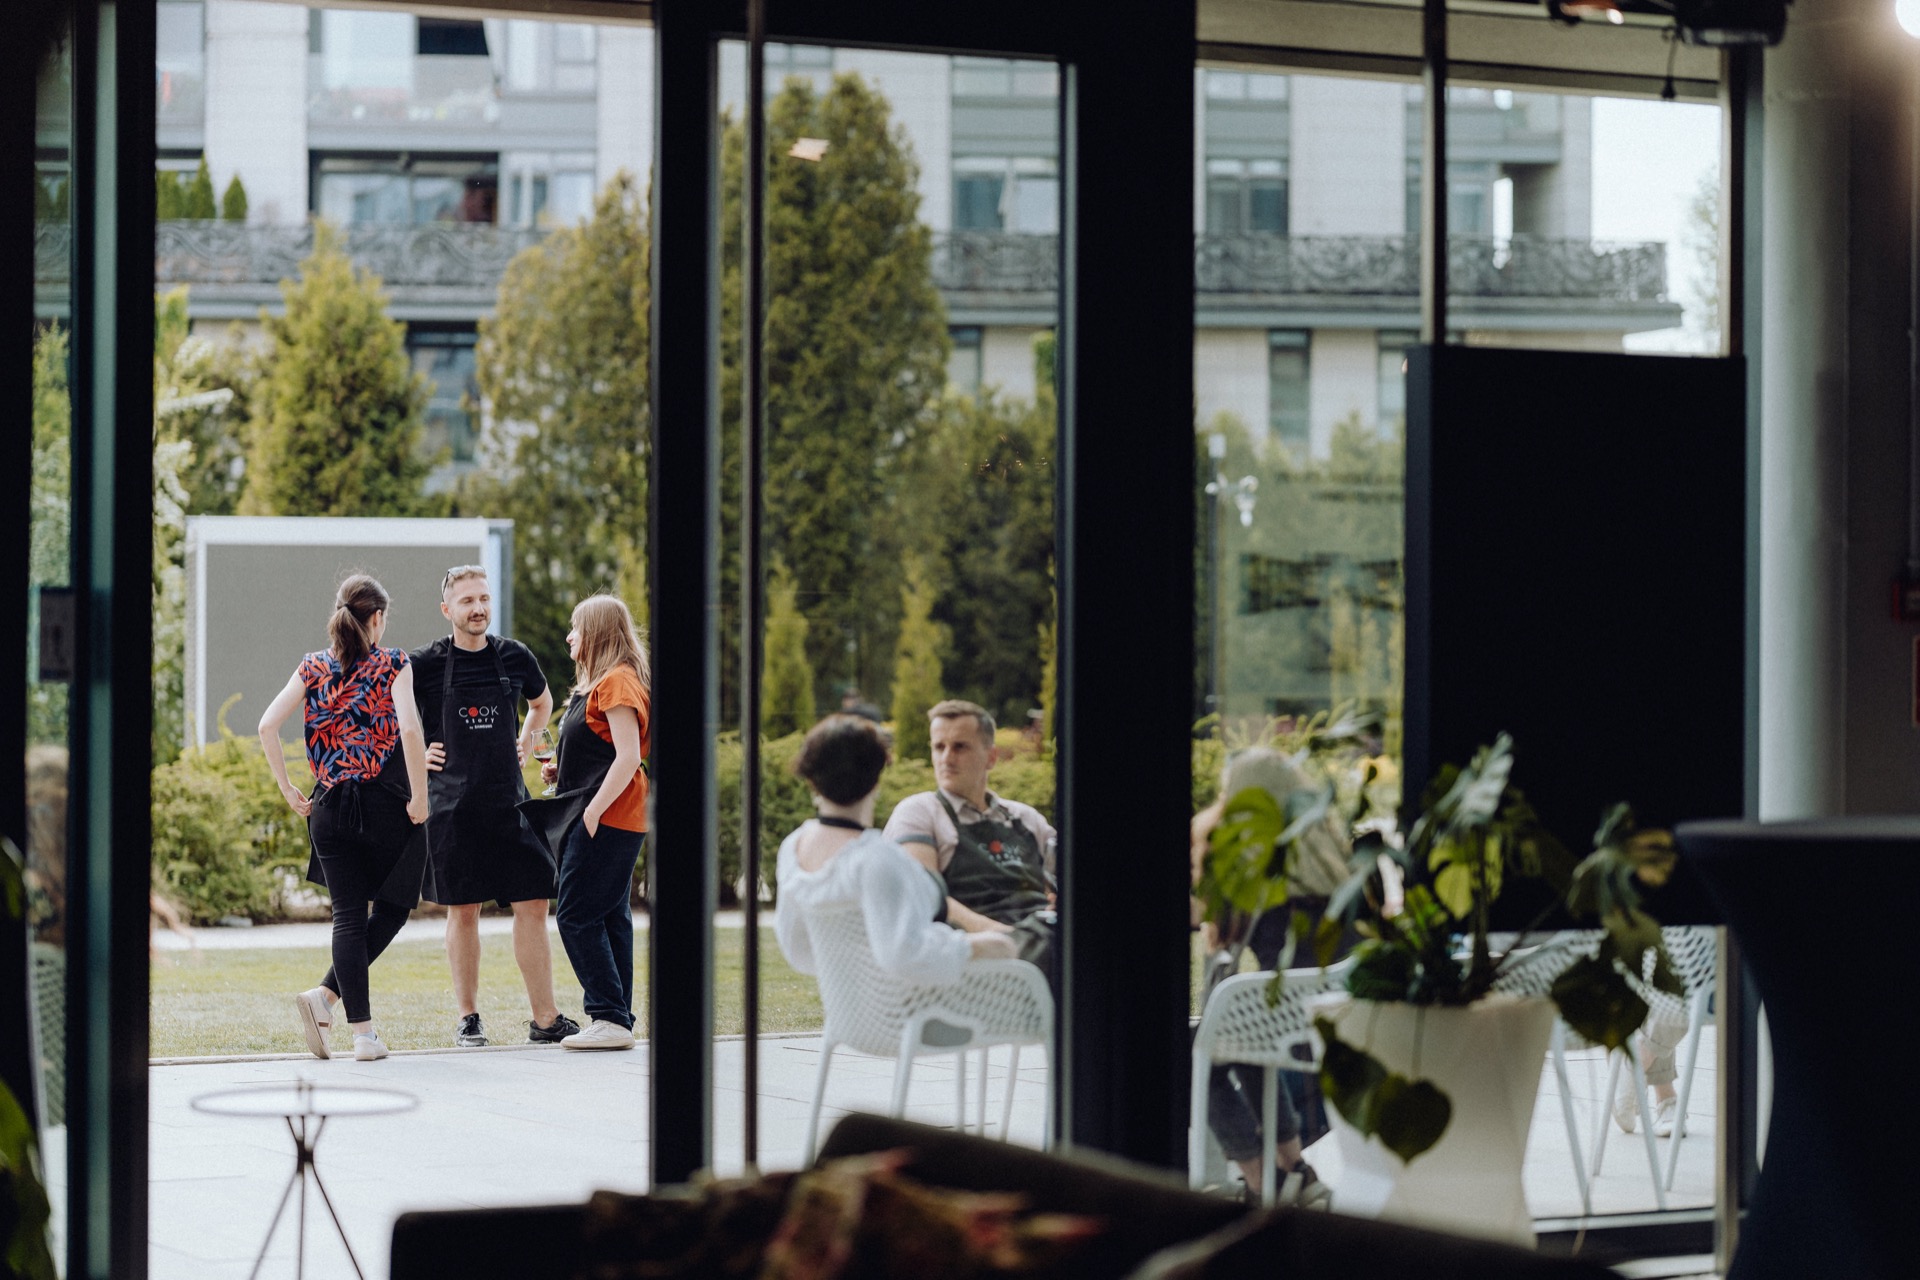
479	848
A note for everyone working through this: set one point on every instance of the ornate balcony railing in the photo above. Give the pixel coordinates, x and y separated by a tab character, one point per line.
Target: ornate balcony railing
1523	267
472	257
460	255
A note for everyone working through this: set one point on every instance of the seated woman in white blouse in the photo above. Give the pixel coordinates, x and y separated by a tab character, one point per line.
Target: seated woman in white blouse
839	858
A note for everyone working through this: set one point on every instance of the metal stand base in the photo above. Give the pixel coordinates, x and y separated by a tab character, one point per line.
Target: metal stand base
304	1167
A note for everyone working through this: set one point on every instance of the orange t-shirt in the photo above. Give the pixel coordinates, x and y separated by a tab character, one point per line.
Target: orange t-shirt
621	687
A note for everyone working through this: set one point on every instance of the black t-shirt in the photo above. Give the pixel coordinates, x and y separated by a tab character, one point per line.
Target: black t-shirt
471	670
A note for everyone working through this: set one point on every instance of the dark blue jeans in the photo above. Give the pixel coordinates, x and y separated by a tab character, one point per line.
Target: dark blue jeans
596	916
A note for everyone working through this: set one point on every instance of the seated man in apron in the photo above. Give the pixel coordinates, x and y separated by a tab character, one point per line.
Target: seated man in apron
996	854
479	848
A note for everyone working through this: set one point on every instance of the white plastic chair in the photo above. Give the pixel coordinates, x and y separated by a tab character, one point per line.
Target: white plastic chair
869	1010
1694	954
1533	974
1238	1025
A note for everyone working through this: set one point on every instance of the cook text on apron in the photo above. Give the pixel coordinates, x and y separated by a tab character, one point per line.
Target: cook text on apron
581	759
479	848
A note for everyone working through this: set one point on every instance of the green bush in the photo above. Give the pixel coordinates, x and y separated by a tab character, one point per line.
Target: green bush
224	841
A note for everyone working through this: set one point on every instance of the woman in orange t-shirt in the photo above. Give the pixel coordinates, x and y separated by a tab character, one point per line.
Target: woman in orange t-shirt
604	741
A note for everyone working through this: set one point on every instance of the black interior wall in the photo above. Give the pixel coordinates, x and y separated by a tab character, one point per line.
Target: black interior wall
1575	576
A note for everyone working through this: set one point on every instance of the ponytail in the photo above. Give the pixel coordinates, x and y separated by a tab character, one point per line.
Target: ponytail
358	599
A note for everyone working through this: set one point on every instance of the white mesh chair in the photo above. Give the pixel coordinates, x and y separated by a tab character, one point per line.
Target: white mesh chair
1694	954
1239	1025
869	1010
1533	974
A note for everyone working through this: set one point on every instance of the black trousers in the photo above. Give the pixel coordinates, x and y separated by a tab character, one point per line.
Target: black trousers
358	832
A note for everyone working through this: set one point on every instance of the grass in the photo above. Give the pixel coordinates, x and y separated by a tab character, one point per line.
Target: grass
214	1003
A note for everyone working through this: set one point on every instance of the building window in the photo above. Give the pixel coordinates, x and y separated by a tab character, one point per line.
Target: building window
1469	198
445	358
548	57
1245	86
180	63
547	189
1247	196
1004	78
964	365
406	189
450	37
1287	351
1393	344
998	193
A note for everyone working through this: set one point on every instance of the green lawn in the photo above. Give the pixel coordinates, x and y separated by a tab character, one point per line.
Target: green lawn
207	1003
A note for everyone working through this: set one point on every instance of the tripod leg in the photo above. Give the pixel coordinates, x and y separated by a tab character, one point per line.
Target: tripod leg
327	1200
299	1165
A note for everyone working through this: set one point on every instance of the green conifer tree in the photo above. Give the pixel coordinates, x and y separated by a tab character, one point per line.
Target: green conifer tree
856	351
197	201
233	202
917	653
786	687
562	367
1049	666
340	406
169	199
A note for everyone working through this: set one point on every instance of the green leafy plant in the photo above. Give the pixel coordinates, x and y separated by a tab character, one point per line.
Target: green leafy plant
1429	943
24	1207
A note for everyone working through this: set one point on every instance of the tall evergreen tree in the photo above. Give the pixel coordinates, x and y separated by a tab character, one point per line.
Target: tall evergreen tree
786	688
198	197
917	679
233	202
169	198
856	351
562	366
340	408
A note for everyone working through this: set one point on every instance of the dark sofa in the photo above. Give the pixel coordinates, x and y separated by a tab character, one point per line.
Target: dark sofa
1156	1227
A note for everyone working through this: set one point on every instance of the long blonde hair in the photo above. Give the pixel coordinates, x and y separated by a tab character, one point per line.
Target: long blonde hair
608	638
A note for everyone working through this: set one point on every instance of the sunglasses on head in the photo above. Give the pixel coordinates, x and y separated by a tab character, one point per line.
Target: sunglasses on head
462	571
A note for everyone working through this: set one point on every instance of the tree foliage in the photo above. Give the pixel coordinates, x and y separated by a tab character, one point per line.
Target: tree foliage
197	198
786	691
340	407
203	392
233	201
918	678
856	351
563	367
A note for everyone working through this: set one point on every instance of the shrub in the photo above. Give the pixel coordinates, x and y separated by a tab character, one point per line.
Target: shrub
233	204
224	841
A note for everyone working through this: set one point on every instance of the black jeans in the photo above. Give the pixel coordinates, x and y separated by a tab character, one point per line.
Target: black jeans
357	844
596	916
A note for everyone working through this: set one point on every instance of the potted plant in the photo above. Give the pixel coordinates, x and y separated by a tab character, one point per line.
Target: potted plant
1426	1058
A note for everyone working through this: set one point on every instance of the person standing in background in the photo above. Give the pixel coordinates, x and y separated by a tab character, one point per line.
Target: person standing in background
362	734
479	848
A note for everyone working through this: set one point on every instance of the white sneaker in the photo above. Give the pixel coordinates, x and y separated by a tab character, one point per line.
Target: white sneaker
316	1015
370	1048
600	1034
1665	1112
1626	1110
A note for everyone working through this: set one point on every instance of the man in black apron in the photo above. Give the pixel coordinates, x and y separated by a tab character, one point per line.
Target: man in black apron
479	848
996	854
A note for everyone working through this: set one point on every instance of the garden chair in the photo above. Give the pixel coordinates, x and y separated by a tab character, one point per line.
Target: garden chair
869	1010
1533	974
1238	1025
1695	955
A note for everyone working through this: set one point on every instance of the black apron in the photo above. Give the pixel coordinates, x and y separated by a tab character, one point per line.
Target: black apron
996	870
581	759
398	864
479	848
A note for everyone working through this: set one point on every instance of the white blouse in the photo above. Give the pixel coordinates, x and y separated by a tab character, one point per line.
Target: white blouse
895	894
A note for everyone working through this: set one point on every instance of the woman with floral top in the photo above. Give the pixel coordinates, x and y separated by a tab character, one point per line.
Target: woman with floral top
362	733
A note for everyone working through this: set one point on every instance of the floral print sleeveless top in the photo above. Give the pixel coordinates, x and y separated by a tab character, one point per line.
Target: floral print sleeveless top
352	727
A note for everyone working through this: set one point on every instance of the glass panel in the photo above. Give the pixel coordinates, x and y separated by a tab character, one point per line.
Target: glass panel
908	516
49	555
1577	222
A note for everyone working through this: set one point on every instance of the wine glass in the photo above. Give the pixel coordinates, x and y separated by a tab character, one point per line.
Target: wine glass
543	749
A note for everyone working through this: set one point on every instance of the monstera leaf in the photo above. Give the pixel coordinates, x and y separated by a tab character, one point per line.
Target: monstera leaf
1408	1116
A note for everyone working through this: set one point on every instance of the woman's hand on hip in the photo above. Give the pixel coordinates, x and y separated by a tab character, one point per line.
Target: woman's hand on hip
417	807
592	820
297	802
436	756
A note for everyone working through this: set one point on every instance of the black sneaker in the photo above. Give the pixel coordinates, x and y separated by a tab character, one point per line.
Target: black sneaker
561	1027
470	1034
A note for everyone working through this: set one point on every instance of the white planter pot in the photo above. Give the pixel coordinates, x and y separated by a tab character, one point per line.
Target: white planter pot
1486	1058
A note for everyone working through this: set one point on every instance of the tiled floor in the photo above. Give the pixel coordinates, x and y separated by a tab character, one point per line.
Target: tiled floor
525	1125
